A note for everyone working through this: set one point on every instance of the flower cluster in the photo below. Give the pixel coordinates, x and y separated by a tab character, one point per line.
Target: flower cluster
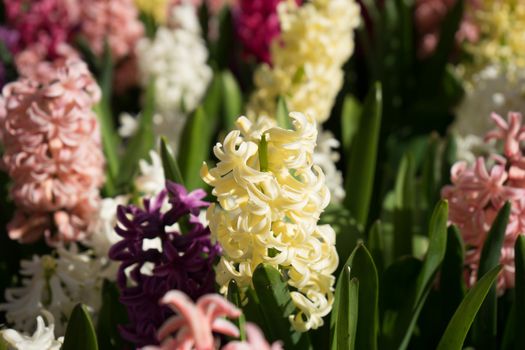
52	152
257	25
113	21
477	194
195	324
316	40
42	339
429	16
56	284
49	23
177	61
502	27
267	212
164	246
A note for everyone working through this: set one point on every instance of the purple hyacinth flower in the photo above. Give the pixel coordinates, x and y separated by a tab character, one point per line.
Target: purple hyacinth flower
157	257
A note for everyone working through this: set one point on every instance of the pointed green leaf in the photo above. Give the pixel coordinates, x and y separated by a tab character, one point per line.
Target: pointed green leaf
232	104
362	163
80	333
346	302
195	149
519	256
171	168
376	245
409	313
350	119
484	331
234	297
142	142
282	114
277	307
460	323
361	267
212	104
452	279
404	207
112	314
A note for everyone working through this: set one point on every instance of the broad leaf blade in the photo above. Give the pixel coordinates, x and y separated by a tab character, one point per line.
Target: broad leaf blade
171	168
460	323
112	314
277	306
485	325
232	100
347	316
519	256
196	149
234	296
362	163
361	267
350	119
80	333
282	114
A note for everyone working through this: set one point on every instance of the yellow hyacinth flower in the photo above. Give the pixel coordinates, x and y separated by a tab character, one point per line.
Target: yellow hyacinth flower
316	40
269	199
501	25
158	9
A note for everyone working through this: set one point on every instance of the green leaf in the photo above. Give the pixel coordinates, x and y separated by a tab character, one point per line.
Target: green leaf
376	245
484	331
277	307
112	314
346	303
409	314
460	323
171	168
361	267
142	142
110	144
404	207
195	149
232	100
234	297
212	105
80	333
362	163
519	256
282	114
350	119
452	280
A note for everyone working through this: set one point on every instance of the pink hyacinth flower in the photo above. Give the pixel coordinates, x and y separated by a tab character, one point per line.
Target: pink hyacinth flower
114	21
52	152
477	193
194	325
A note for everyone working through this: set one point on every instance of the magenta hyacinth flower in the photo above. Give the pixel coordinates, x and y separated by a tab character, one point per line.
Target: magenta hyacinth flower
479	191
164	246
47	23
257	24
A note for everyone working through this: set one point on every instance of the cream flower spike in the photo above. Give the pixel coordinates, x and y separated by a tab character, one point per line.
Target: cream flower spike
270	196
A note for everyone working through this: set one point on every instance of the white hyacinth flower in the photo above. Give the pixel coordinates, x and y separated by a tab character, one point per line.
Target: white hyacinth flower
55	283
151	179
493	89
42	339
326	156
176	60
